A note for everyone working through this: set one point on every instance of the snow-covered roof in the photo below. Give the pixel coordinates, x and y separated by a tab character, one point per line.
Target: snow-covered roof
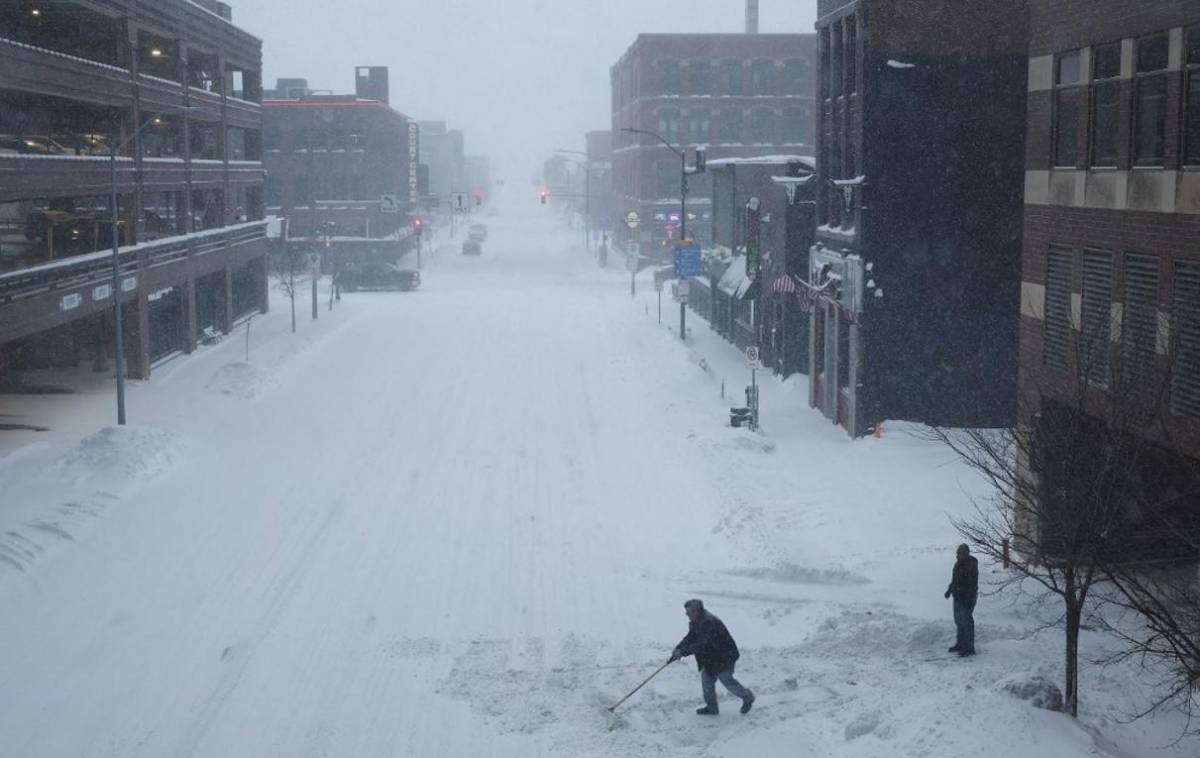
734	277
764	160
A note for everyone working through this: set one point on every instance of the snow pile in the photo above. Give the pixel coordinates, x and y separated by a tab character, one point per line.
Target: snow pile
238	380
1037	689
117	452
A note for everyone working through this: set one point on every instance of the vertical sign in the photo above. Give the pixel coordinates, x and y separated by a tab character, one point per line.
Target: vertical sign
413	160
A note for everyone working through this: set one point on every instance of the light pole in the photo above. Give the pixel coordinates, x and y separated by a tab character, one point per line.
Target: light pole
113	149
683	188
587	194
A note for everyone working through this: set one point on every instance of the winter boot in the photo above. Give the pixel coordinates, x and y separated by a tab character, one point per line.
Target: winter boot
706	711
954	649
966	652
747	704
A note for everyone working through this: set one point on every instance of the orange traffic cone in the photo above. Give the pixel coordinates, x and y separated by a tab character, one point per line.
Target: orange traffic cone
879	430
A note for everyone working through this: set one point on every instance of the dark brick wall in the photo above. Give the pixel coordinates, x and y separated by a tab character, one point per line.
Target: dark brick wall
1056	25
974	27
1174	235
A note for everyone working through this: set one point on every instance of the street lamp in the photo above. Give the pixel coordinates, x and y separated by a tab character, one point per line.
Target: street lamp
683	172
587	194
113	149
683	188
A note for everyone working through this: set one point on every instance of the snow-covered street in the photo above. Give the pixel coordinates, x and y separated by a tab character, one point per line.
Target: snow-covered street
463	521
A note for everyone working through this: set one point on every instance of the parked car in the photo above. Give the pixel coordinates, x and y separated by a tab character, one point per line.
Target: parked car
472	247
379	275
478	232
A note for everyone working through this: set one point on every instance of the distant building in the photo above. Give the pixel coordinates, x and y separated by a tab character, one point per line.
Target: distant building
740	95
76	79
477	177
599	149
920	177
443	151
1111	276
346	160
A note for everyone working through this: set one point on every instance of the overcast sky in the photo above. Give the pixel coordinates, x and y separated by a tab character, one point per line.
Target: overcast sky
521	77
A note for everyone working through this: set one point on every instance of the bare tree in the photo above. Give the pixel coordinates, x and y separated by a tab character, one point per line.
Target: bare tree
285	271
1063	482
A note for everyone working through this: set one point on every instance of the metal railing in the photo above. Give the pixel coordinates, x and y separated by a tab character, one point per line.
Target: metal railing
96	268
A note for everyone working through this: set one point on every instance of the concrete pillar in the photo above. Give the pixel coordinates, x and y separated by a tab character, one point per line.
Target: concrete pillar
226	313
189	315
264	283
137	344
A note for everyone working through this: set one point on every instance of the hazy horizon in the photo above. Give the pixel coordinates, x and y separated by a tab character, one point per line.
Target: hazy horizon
521	78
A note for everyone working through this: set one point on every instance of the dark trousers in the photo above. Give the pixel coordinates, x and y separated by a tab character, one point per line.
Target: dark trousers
964	622
708	684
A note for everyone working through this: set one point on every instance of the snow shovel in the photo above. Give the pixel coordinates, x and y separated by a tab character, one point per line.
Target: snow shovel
657	671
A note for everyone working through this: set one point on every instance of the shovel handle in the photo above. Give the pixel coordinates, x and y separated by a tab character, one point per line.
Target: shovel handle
643	684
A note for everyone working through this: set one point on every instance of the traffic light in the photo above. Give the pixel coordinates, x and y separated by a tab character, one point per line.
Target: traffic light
418	225
478	199
544	194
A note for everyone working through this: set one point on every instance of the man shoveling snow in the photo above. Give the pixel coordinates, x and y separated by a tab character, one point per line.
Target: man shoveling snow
716	653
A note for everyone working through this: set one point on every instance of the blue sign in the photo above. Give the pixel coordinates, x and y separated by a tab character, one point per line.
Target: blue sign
688	261
603	223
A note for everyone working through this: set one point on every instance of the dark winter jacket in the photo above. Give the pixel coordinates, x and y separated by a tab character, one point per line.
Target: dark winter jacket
964	582
710	642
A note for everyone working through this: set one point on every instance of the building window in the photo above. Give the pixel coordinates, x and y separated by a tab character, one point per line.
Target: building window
760	77
1056	334
666	176
1106	102
668	124
795	77
762	126
1185	311
668	78
1191	129
823	79
1150	106
1096	327
698	125
851	55
699	75
731	125
795	121
837	55
1139	320
731	77
1067	95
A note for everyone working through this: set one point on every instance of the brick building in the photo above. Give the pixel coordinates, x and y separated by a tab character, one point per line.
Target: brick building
332	159
916	266
741	95
175	87
1111	268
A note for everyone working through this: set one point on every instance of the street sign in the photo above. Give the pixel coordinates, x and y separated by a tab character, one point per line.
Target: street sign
314	262
688	260
632	219
752	357
681	291
460	202
389	203
603	224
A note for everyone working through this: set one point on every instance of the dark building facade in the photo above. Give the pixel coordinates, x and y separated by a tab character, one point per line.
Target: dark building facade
916	267
176	88
349	163
762	232
739	95
1111	269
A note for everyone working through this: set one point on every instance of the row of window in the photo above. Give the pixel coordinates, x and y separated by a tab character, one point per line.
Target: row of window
839	58
1096	104
313	139
1138	331
791	126
717	78
306	189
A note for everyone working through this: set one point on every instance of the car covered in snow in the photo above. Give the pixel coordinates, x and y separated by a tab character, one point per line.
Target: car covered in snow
379	275
472	247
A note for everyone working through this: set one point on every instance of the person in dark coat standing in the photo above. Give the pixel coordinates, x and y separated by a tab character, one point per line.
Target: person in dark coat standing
964	588
716	653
